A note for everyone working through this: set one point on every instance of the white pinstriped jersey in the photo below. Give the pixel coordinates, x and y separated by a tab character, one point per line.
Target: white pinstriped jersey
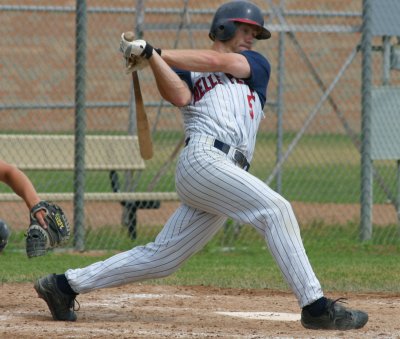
227	108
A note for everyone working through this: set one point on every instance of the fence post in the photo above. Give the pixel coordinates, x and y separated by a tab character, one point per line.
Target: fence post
398	198
366	112
80	125
138	29
280	103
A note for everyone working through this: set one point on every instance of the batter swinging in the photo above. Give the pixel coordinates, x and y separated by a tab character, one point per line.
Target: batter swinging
221	93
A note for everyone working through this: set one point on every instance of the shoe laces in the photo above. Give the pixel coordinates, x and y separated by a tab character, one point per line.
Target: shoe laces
331	309
340	300
74	307
74	304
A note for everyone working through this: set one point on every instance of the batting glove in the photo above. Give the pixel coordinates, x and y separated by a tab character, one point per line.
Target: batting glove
139	48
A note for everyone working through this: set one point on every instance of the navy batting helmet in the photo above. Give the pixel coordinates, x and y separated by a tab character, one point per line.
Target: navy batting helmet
223	26
4	235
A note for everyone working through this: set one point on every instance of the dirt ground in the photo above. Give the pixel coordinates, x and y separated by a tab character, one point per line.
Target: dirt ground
147	311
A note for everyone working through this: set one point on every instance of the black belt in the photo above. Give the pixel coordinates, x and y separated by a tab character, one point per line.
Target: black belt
237	155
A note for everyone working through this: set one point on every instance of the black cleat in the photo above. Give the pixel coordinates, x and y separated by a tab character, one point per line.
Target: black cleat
335	317
61	305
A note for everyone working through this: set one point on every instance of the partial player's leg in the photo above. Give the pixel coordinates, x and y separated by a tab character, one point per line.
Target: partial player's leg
207	179
186	232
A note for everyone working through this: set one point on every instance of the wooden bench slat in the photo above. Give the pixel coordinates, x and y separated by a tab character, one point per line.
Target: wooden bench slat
56	152
93	196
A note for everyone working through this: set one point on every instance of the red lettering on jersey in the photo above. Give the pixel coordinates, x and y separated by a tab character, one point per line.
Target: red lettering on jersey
233	80
251	98
204	85
198	90
218	79
213	83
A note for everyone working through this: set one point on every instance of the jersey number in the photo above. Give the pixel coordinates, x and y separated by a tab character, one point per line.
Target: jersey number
250	99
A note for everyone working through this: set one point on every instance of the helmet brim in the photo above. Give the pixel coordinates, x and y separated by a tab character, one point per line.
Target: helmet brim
264	33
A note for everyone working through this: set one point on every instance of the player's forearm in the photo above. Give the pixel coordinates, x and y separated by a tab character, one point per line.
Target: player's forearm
192	60
21	185
170	86
207	61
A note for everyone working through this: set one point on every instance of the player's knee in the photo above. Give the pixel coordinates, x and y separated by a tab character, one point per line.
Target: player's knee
284	205
280	208
273	212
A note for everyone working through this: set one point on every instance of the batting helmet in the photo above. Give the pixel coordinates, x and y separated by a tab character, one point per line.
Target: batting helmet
223	26
4	235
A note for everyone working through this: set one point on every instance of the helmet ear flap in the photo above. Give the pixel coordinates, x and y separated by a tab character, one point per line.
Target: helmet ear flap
223	30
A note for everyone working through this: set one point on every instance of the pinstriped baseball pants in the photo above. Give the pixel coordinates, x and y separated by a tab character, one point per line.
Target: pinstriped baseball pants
212	188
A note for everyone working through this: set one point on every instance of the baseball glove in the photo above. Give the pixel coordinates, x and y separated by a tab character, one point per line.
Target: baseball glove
40	240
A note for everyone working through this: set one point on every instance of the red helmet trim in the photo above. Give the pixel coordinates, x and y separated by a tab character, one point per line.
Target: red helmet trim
246	21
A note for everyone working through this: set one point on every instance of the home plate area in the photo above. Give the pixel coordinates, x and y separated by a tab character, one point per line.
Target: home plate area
275	316
161	311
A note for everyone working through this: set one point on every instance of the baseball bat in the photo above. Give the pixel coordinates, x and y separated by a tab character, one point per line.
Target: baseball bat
142	122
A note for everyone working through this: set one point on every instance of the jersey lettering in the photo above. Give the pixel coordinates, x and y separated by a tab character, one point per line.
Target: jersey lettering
204	85
234	80
250	99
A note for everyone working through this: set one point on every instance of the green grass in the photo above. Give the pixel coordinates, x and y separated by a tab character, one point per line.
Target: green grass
340	261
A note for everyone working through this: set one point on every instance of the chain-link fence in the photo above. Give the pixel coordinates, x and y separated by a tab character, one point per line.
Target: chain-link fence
62	74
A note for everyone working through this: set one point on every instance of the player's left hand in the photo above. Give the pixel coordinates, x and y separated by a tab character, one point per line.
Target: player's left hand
40	216
38	239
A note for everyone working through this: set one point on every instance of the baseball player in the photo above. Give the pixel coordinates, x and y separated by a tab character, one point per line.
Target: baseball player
221	93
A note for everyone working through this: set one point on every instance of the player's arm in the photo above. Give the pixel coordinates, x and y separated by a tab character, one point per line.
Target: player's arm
176	91
21	185
169	84
208	61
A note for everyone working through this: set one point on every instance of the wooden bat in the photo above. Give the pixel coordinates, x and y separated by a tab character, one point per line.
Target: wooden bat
142	122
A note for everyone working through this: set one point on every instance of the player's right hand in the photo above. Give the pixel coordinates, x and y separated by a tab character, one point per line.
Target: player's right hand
132	48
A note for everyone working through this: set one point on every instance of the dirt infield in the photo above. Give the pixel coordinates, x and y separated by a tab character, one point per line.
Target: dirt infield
146	311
